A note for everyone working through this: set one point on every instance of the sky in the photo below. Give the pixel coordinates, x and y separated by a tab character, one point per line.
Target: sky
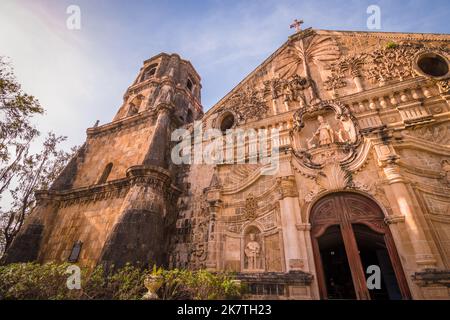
80	76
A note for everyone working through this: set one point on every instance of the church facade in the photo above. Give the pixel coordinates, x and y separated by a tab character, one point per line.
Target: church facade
357	128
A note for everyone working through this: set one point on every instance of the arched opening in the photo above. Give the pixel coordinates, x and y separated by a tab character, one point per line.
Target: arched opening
350	239
227	122
104	177
189	85
150	71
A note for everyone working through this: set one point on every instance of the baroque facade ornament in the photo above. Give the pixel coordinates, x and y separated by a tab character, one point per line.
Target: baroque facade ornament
251	207
248	104
445	173
396	62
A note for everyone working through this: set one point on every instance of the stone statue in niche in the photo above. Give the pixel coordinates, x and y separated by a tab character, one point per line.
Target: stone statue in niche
445	165
324	133
343	132
165	95
346	130
253	253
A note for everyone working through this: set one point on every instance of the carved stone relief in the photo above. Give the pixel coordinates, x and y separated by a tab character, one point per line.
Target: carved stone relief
445	173
323	131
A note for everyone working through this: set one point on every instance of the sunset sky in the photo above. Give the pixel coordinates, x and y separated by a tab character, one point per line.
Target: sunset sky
80	76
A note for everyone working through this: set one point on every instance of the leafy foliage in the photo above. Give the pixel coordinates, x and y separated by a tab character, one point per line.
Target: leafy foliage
391	45
21	171
197	285
48	281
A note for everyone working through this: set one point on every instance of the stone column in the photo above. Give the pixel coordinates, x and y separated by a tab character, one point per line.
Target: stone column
294	243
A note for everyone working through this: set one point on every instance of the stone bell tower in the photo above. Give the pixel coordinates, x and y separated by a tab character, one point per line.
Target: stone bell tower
114	202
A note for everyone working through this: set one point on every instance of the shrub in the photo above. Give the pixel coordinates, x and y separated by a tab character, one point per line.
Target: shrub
197	285
391	45
48	281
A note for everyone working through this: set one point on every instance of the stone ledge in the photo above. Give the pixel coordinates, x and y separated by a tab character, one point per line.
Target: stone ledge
149	175
289	278
432	277
120	123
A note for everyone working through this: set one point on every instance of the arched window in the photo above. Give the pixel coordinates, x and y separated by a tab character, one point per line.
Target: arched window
227	122
189	85
105	173
150	71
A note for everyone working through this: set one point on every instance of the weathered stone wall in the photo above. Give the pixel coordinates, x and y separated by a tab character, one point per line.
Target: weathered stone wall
90	222
123	146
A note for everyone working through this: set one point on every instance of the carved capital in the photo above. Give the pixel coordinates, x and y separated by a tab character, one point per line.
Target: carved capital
287	187
393	174
394	219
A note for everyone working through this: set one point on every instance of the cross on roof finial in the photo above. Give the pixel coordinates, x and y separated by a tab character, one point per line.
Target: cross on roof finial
297	25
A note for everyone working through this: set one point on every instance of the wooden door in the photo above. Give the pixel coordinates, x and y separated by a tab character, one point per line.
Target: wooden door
346	209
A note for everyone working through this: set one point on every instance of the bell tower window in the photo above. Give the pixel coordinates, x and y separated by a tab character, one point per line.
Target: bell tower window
189	85
150	71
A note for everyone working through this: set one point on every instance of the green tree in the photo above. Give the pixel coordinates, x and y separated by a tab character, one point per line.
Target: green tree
21	171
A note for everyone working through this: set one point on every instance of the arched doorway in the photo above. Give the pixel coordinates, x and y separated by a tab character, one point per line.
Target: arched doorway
349	235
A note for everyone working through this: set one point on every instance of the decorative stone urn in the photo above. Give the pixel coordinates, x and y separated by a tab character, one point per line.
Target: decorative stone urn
152	283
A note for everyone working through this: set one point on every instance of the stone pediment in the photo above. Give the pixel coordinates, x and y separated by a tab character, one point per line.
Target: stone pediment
315	65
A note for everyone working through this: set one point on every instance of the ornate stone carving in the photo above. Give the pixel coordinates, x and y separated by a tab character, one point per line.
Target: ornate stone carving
316	49
445	173
324	134
248	104
334	82
287	187
444	85
251	207
437	133
334	177
334	136
396	62
273	87
352	66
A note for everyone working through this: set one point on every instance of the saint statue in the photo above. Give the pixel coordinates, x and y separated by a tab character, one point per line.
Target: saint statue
324	132
346	131
252	252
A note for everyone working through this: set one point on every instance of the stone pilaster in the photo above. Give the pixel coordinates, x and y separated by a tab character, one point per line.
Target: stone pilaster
403	206
294	240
